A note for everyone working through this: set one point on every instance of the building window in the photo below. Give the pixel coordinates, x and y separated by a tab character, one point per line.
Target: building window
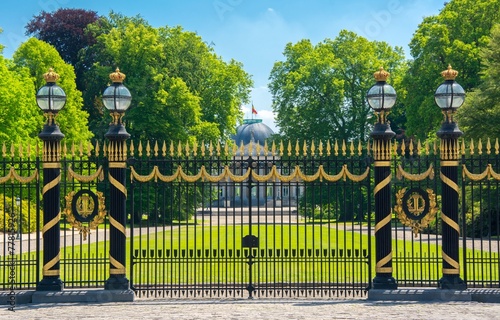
269	192
285	191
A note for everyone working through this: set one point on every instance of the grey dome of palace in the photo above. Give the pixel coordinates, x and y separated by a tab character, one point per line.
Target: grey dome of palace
252	130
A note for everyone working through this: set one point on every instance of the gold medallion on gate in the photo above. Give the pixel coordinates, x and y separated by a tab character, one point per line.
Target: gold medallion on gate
416	208
85	210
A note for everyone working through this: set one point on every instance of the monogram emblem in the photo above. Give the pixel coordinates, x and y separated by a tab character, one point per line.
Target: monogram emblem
416	208
416	204
85	205
85	210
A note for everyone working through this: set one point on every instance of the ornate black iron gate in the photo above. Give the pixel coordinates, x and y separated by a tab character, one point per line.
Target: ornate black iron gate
250	221
273	222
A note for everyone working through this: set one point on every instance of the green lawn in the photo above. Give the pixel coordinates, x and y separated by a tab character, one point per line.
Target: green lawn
202	254
286	253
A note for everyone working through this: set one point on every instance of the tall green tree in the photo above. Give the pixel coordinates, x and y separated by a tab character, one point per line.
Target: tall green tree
37	57
19	115
65	30
221	86
455	36
319	91
307	95
480	115
360	58
181	89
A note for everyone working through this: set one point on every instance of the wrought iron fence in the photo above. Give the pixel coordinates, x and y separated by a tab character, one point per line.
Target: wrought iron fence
20	223
251	221
480	218
280	221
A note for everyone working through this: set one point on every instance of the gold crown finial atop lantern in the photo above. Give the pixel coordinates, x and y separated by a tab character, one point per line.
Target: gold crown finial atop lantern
449	74
381	74
50	76
117	76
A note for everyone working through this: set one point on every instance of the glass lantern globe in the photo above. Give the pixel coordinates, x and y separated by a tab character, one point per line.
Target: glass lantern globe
381	96
51	97
117	97
449	95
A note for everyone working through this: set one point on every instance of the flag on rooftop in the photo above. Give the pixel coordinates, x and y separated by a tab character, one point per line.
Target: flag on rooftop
253	110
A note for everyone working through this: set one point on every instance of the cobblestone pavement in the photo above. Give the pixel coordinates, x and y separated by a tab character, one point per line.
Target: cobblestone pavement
256	309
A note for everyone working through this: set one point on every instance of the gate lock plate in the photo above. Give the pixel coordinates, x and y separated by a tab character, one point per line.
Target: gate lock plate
250	241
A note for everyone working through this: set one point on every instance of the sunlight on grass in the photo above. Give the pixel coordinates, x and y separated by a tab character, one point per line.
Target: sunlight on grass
203	254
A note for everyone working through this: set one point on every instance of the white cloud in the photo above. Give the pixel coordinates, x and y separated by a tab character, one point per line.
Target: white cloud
267	117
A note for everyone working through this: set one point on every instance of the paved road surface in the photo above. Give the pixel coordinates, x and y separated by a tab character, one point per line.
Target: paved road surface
256	309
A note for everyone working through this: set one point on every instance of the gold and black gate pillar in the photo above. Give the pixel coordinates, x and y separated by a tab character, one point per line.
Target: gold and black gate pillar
117	99
381	97
51	98
449	97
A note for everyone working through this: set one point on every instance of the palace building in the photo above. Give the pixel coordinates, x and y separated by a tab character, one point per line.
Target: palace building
252	134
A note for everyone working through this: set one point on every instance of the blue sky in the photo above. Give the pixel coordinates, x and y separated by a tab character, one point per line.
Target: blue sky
253	32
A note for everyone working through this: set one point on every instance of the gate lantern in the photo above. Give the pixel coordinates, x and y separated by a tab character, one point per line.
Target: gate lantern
381	97
449	97
117	99
51	98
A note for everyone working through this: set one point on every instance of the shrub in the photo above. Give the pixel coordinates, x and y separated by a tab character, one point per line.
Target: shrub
483	223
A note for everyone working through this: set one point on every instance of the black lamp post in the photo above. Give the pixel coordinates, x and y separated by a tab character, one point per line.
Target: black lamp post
381	98
116	99
51	99
449	97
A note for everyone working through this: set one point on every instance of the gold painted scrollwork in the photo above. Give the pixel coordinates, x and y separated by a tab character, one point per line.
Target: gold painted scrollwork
241	178
356	178
215	178
401	173
287	178
415	206
486	174
332	178
266	177
13	175
273	174
86	178
476	176
135	176
189	178
306	177
493	174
